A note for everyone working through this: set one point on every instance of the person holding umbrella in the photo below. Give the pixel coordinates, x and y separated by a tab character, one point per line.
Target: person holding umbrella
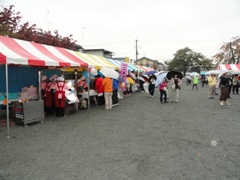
176	85
151	87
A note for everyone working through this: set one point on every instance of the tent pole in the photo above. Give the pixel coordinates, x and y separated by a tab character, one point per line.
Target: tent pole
88	89
40	85
6	71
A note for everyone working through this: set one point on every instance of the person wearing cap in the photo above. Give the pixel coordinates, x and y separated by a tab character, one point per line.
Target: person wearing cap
60	97
49	96
82	84
212	85
224	87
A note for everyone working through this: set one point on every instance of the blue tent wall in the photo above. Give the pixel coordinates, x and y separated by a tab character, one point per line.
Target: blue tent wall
18	77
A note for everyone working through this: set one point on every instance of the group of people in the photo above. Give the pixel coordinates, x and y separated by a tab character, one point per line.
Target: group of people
175	83
53	93
226	84
107	89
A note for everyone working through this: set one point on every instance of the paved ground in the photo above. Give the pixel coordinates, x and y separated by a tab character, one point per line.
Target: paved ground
139	140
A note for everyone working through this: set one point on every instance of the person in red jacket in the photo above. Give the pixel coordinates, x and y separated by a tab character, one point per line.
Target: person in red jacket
99	89
60	97
49	96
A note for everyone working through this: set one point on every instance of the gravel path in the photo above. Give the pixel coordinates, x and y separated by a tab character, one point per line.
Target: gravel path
139	140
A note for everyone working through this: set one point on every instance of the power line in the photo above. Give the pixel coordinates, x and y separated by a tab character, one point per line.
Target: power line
192	41
113	43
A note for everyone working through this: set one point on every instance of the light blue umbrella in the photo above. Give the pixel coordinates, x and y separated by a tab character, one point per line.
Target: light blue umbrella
160	78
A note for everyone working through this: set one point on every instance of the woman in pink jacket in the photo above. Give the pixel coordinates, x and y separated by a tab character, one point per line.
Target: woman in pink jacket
163	88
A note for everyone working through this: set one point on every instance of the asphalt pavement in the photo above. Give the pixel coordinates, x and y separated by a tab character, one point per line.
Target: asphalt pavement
141	139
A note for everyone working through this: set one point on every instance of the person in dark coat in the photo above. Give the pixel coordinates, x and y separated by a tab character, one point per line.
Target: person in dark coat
151	87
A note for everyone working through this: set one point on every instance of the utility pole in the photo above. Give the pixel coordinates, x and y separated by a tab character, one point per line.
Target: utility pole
83	28
136	49
47	18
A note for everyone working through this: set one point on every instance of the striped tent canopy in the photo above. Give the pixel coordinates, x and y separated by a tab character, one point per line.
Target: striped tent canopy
96	61
19	52
234	67
131	67
143	68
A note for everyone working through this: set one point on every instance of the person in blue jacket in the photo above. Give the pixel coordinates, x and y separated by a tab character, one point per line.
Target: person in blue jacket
115	93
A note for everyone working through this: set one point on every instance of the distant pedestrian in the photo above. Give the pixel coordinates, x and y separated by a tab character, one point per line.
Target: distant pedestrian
203	79
212	85
230	85
224	84
195	82
175	86
151	87
235	84
163	91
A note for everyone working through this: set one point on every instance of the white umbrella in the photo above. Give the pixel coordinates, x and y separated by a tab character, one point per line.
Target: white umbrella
146	76
213	72
158	73
160	78
132	75
188	77
194	74
223	71
109	72
140	78
235	72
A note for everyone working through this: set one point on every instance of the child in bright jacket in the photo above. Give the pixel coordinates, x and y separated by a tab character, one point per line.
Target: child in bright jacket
163	88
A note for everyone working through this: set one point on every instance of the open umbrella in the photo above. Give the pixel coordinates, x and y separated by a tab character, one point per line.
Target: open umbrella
160	78
130	80
145	76
171	74
194	74
132	75
222	72
213	72
158	73
151	72
140	78
109	72
188	77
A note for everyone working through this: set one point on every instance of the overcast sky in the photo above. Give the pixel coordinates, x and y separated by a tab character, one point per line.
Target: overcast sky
161	26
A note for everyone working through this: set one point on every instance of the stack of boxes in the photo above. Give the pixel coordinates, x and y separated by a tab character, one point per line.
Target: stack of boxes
29	93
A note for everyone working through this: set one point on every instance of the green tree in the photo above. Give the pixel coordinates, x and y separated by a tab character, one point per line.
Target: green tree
187	60
9	20
229	52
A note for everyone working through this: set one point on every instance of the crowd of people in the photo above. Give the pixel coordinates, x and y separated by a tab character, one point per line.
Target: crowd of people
108	89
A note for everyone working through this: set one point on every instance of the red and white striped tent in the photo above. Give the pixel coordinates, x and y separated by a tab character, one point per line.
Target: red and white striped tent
19	52
234	67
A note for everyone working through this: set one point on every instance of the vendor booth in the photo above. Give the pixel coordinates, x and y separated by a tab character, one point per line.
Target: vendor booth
14	52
